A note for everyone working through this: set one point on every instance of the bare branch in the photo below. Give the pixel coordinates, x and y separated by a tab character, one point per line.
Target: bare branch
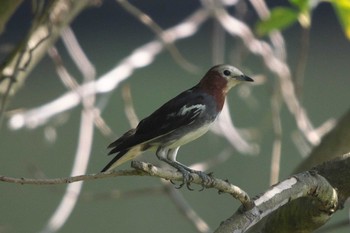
333	144
276	102
141	170
166	38
224	126
68	180
41	36
129	106
278	66
221	185
185	208
78	55
83	152
140	57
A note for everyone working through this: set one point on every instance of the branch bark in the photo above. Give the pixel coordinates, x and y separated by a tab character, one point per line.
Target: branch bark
222	185
304	202
333	144
303	211
141	169
67	180
43	34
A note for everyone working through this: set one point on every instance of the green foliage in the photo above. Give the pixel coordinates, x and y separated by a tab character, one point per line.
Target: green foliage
342	9
280	18
302	5
300	11
283	17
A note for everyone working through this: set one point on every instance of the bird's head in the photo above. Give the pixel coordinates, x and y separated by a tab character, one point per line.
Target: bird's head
223	78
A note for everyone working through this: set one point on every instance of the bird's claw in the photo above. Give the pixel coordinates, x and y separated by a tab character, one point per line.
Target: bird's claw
206	178
188	178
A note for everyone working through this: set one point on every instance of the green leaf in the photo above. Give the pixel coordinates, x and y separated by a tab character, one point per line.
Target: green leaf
302	5
280	18
342	9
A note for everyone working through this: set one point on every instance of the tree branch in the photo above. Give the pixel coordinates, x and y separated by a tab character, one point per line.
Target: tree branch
304	184
41	36
141	169
309	199
222	185
67	180
333	144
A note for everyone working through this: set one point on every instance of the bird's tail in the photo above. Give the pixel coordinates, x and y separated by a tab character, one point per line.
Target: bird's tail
113	164
124	156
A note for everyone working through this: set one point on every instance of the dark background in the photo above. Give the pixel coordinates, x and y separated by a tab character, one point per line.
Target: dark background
108	34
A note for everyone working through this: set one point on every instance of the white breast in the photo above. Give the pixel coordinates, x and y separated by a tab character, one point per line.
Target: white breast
190	136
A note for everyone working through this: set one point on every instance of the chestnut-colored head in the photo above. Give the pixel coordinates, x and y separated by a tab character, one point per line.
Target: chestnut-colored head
223	77
220	79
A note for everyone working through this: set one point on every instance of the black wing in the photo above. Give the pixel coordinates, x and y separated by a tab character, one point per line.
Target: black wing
179	111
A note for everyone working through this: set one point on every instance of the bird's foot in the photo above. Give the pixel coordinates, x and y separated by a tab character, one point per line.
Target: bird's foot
187	174
207	179
188	178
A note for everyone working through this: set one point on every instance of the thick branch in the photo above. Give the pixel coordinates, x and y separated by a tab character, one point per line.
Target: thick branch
302	185
317	194
337	172
333	144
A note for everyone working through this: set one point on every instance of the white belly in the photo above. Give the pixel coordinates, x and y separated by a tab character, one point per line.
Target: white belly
190	136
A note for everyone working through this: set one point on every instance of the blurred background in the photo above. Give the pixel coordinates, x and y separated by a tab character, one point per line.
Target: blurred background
108	34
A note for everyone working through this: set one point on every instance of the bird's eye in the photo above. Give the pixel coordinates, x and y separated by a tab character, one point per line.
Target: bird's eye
227	72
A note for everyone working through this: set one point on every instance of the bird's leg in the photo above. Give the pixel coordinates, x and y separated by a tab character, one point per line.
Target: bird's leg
206	179
169	156
162	155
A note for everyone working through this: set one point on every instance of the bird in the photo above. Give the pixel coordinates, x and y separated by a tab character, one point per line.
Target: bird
179	121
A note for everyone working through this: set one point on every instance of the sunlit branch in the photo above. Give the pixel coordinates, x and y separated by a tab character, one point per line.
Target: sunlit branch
83	152
140	57
276	65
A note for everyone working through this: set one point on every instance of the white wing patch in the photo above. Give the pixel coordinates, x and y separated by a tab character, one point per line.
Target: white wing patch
198	109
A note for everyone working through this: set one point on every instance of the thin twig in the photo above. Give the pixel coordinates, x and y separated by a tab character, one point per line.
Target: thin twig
302	61
68	180
129	107
166	38
86	132
185	208
8	88
41	36
140	57
276	65
276	102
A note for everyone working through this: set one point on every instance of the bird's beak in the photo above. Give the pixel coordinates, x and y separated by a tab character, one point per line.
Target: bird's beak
244	78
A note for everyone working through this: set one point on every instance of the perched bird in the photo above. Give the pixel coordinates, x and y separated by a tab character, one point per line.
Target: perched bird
179	121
